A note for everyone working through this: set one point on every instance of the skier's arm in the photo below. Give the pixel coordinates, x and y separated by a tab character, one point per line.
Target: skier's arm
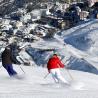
10	55
60	64
48	66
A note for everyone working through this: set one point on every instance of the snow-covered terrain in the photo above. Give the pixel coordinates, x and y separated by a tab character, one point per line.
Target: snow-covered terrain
78	59
33	84
28	23
78	50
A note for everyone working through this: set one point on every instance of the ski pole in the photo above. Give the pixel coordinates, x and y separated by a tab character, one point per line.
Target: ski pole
69	74
46	75
21	69
0	66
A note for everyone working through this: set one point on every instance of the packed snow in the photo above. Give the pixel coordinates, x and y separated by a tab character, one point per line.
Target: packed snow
33	84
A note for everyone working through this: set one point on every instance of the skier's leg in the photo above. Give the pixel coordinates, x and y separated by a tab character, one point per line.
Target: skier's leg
52	71
59	77
7	69
10	70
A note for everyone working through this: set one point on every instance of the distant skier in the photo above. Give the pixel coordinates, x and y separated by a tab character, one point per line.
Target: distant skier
7	61
54	64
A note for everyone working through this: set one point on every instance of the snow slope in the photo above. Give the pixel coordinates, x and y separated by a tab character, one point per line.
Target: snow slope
33	85
77	55
81	42
77	59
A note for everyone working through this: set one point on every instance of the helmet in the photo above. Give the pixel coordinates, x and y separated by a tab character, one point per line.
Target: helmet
55	52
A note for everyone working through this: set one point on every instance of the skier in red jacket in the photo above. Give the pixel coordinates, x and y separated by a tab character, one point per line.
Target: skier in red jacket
54	64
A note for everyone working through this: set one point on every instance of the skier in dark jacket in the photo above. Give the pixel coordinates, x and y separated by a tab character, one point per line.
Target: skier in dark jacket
14	49
7	61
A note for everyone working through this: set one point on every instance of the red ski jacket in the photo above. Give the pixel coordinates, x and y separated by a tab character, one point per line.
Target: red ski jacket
54	62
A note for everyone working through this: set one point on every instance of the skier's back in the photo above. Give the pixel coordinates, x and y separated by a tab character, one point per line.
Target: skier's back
7	61
54	64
